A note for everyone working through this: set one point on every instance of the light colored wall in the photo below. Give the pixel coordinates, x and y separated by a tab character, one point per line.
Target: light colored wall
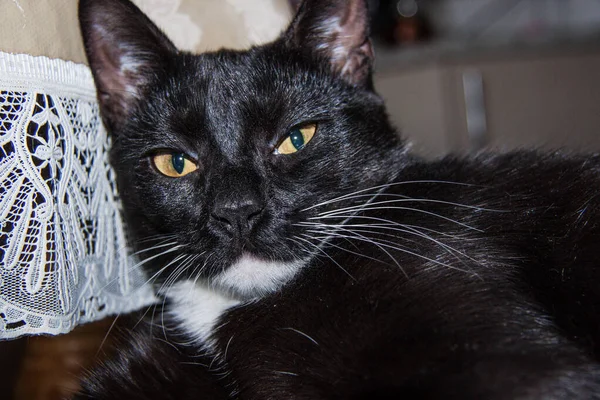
41	28
416	104
50	27
551	101
579	16
532	99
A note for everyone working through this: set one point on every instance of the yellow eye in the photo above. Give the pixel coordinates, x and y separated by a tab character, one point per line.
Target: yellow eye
297	139
174	165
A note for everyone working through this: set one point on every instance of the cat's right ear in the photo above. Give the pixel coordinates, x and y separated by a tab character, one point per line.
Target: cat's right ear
126	52
338	32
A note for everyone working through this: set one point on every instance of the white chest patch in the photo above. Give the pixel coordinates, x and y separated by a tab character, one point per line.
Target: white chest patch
251	277
197	306
197	309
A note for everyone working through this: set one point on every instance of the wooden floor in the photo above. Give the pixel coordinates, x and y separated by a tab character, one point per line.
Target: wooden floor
49	367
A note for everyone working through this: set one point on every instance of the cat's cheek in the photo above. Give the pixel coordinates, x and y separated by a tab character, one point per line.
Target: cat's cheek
171	203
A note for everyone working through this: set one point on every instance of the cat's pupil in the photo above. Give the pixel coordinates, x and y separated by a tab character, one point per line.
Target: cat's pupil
297	139
178	162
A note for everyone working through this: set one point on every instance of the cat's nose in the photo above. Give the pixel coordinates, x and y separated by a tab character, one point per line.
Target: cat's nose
237	217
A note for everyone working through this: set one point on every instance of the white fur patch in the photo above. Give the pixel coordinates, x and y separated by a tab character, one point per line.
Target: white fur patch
198	308
251	277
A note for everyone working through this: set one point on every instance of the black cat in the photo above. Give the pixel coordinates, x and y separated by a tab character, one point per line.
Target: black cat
304	253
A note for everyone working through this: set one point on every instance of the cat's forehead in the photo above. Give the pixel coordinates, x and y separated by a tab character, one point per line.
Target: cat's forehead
260	74
235	96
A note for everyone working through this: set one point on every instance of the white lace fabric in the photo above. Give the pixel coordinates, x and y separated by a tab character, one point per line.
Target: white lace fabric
63	253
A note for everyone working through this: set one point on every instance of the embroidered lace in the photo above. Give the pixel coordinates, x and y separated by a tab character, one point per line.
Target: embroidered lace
63	253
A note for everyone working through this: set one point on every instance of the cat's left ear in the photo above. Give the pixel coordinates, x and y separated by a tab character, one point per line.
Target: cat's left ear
337	30
127	54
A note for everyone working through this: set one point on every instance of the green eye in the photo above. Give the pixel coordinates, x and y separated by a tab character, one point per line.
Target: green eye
297	139
174	165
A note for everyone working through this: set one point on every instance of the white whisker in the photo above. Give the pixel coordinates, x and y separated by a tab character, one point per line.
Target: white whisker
285	373
328	256
302	333
385	223
176	259
408	229
171	279
378	187
360	237
399	208
345	249
450	250
386	243
142	263
303	248
408	200
146	260
227	348
159	246
107	333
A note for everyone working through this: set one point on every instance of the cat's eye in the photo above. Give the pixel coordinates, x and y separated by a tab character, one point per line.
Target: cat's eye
174	165
296	139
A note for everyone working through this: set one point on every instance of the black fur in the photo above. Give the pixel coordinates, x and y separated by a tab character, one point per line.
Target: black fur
463	278
148	367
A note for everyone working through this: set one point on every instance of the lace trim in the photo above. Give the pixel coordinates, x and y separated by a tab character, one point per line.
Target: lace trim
63	253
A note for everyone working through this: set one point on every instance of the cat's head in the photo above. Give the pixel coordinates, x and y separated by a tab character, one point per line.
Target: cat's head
223	158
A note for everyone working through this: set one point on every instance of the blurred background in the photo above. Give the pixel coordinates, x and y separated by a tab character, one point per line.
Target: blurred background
464	75
457	75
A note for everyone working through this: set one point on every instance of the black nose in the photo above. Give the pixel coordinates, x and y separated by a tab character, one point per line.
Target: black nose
237	216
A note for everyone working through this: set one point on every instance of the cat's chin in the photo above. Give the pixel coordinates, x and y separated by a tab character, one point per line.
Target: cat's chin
252	277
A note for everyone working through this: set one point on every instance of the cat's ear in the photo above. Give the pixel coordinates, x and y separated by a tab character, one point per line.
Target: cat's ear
126	53
337	30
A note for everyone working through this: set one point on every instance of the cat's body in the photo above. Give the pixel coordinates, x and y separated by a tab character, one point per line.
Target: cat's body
346	268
